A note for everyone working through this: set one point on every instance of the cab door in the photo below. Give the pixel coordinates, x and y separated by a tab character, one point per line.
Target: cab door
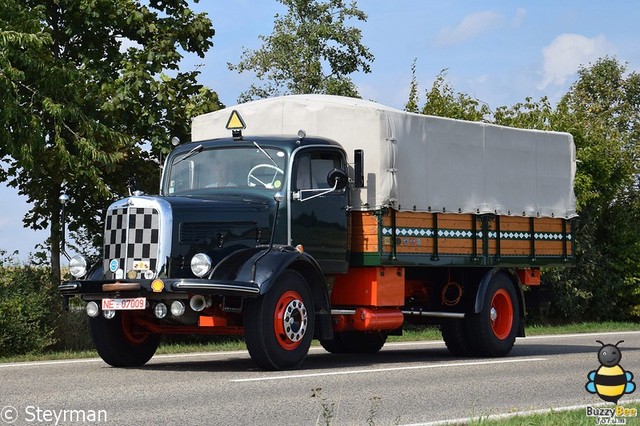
318	215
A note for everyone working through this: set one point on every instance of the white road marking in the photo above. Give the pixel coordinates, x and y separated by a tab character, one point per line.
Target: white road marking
313	349
480	419
381	370
88	360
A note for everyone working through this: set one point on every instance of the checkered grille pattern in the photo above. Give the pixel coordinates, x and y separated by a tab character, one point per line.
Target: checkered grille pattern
131	235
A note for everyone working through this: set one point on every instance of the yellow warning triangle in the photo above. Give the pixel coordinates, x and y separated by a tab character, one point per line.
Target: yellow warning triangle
235	122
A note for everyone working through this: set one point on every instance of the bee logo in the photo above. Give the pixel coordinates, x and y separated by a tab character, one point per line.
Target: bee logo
610	381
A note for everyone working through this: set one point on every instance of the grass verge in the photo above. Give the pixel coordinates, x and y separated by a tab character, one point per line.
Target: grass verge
553	417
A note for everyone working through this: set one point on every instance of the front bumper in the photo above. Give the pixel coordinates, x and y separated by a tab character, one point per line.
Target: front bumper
170	286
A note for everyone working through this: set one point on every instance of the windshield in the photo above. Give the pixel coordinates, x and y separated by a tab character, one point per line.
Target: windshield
199	170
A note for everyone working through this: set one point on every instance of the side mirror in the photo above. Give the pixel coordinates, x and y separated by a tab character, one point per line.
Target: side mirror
358	168
338	178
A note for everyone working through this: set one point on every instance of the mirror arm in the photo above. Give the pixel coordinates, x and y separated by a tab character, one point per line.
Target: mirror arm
324	192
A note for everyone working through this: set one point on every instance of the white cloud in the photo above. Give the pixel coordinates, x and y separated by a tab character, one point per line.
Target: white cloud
567	53
519	18
470	27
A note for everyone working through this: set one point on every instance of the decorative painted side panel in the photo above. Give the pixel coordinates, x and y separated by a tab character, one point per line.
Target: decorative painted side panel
445	238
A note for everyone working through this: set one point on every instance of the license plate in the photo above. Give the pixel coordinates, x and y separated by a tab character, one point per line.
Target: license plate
139	303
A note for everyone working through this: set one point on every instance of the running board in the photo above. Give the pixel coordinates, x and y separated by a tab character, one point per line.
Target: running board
410	313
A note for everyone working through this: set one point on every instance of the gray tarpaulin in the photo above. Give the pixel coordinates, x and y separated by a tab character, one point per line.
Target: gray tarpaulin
423	163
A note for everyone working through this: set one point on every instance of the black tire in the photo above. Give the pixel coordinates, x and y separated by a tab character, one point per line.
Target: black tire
495	336
118	344
273	342
355	342
363	342
335	345
454	334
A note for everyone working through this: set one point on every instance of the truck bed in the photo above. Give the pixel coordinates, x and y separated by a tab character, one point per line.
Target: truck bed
390	237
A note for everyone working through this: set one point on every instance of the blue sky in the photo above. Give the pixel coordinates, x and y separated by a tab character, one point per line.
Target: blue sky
498	51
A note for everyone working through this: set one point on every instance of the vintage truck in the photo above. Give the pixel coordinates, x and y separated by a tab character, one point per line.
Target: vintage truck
313	216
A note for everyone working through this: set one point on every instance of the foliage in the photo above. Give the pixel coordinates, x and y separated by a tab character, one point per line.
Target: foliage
92	92
414	98
602	112
443	102
312	50
27	323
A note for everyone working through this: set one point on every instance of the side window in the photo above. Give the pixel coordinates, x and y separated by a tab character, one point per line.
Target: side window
313	168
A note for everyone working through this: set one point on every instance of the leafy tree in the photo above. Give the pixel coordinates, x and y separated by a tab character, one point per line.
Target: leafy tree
601	111
92	93
442	101
312	50
414	99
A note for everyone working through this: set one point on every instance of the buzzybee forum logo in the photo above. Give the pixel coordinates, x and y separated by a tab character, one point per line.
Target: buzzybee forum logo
610	381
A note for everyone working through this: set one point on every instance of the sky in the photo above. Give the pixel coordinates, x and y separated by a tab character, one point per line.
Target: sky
499	52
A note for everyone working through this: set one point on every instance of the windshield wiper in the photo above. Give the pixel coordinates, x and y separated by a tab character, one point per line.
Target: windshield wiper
265	153
197	150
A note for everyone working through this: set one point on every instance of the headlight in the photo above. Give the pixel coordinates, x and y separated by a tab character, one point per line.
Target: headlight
78	266
200	265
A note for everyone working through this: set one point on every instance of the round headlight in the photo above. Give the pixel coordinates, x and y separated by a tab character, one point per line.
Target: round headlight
177	308
200	265
92	309
160	310
78	266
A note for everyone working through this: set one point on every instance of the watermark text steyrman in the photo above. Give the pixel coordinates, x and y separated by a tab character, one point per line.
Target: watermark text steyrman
36	414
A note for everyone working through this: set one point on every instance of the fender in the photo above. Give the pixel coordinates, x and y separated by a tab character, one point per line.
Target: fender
482	292
268	267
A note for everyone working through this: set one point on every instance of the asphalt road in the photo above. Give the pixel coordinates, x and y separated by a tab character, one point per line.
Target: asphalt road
406	383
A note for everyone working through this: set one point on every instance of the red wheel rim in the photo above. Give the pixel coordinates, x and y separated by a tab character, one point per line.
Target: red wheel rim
131	335
501	314
290	320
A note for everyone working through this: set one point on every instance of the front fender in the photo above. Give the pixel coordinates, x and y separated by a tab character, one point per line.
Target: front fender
264	266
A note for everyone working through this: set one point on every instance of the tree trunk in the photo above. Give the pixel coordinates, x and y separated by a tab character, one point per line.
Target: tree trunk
54	241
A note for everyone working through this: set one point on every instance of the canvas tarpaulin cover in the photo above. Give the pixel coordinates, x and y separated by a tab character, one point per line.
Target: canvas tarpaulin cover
422	163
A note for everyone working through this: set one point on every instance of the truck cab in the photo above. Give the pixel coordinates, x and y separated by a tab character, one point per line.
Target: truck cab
220	235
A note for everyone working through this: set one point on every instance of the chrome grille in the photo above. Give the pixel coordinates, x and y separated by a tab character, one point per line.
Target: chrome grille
131	241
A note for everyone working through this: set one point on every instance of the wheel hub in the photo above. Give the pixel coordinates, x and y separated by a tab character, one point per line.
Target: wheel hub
295	320
493	314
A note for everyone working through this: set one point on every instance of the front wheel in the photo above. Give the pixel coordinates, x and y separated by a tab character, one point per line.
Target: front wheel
279	325
119	343
492	332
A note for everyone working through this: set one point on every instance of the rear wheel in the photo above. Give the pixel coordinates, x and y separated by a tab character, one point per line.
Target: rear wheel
355	342
492	332
279	325
360	342
119	343
335	345
454	334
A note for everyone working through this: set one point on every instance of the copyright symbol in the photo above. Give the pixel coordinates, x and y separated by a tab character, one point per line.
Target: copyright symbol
8	414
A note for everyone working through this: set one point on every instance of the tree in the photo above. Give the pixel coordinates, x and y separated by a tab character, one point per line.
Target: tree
414	99
312	50
82	110
601	111
441	101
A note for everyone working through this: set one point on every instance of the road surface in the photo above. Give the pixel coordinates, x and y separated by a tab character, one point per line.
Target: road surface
406	383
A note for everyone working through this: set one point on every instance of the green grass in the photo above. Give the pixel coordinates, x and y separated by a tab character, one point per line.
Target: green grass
233	343
555	418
